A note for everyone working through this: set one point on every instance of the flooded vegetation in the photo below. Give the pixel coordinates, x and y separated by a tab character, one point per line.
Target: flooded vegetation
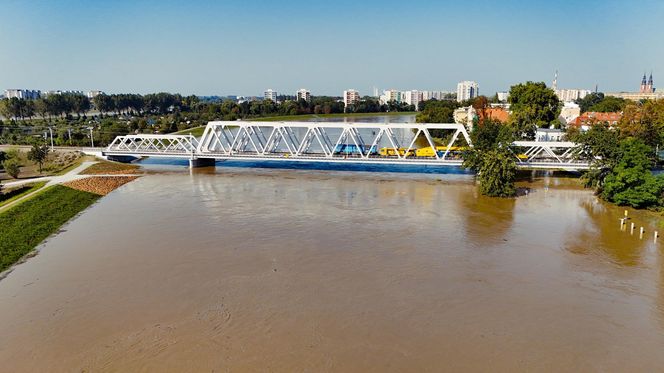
300	270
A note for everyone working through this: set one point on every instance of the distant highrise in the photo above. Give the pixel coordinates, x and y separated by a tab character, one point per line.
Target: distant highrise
270	95
351	96
303	94
467	90
26	94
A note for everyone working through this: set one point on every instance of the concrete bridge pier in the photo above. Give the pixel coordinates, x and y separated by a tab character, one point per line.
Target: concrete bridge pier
201	162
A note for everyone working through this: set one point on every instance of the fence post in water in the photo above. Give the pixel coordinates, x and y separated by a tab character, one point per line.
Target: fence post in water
622	223
631	231
625	213
641	233
656	234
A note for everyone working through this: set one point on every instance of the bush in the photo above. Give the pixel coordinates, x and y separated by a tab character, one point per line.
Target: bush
11	167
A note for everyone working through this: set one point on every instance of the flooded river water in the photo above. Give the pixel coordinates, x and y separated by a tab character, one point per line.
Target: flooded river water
287	270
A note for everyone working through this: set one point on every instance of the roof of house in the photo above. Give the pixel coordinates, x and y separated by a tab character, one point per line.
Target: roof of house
597	117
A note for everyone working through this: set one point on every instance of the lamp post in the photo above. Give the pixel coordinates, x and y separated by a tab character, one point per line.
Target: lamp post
92	140
51	132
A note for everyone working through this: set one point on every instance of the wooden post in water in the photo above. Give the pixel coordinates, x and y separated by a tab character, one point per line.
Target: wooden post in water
622	223
656	235
631	231
625	213
641	233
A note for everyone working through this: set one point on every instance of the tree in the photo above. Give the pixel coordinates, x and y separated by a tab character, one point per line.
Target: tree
38	154
492	159
609	104
533	105
11	167
103	103
600	144
589	101
631	182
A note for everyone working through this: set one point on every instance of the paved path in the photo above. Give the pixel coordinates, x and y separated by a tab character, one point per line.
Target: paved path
54	180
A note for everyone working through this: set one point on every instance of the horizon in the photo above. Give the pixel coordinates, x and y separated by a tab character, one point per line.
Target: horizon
149	46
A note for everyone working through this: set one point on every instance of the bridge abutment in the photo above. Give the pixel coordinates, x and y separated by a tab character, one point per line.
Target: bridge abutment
201	162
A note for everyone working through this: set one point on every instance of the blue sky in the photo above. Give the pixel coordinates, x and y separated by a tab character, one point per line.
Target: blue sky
218	47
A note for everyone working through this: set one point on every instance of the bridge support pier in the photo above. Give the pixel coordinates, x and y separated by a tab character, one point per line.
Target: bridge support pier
201	162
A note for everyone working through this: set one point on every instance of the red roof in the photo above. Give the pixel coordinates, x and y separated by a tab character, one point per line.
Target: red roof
592	117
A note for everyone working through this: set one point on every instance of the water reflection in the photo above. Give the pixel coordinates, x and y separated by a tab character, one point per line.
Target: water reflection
600	234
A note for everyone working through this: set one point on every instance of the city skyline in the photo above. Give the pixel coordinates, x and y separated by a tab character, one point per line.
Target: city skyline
212	49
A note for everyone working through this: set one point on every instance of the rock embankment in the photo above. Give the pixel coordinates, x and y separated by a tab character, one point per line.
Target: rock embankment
100	185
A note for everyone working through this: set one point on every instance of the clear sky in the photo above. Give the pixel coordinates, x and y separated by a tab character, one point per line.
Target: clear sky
243	47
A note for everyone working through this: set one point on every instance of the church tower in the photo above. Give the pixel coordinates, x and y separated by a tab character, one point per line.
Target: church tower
644	84
649	87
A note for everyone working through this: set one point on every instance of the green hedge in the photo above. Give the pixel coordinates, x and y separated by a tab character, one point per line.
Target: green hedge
25	225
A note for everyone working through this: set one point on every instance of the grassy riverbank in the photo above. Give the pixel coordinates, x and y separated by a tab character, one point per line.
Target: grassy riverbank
27	224
11	195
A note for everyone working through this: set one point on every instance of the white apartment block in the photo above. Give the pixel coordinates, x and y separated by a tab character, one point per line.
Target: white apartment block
351	96
303	94
502	96
569	95
435	95
389	95
270	95
412	98
26	94
467	90
93	94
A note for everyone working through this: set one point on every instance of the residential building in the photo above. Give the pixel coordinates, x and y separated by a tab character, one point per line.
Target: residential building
467	90
303	94
571	95
466	116
26	94
502	96
411	98
495	113
270	95
549	134
389	95
585	120
437	95
569	112
59	92
351	97
93	94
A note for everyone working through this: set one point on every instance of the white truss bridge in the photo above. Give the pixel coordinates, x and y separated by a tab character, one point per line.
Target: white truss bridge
342	142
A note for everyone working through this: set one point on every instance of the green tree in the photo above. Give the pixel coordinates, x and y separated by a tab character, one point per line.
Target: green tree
492	159
631	181
589	101
533	105
600	144
11	167
38	154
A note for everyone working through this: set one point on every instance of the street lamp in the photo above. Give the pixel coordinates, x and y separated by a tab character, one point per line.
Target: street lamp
92	140
51	131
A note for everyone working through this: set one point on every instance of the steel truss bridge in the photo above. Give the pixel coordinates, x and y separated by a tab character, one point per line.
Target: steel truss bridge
342	142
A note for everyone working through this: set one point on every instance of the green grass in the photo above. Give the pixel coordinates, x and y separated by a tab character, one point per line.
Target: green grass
27	224
12	195
305	117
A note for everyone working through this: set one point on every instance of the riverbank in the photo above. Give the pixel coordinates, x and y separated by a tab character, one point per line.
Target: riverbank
32	213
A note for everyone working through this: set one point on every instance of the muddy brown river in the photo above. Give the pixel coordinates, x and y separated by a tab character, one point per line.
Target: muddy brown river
289	271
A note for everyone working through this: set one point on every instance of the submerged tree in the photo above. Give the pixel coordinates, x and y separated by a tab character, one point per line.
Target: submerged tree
492	158
631	182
